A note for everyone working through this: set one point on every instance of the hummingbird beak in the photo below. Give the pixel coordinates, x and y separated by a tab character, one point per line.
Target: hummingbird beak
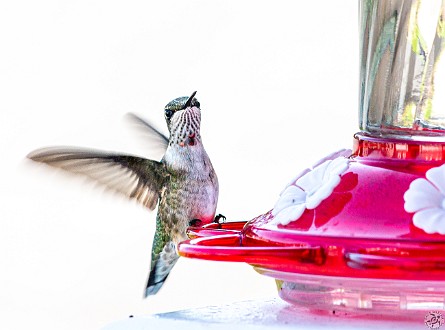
189	101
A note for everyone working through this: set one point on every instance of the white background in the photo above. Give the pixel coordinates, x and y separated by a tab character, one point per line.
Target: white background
278	86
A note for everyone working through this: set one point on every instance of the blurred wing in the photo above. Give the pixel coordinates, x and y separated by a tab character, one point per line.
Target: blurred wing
135	177
149	133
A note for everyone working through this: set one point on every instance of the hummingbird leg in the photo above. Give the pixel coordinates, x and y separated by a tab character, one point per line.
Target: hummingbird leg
195	223
219	218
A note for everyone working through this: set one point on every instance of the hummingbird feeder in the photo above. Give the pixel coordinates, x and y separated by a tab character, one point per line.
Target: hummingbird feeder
364	230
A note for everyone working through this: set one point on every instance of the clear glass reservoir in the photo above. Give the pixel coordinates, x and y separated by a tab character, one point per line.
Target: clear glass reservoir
401	68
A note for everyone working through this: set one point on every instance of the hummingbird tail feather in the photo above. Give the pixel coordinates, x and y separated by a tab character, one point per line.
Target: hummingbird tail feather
161	267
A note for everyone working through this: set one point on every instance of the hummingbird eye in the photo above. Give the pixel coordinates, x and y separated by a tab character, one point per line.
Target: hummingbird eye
168	113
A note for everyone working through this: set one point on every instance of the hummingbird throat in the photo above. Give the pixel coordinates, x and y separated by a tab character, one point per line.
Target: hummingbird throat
190	140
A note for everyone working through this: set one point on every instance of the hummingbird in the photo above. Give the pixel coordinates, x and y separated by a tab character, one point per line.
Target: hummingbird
183	184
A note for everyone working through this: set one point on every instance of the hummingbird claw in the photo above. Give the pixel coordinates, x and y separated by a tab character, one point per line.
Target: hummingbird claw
195	223
219	219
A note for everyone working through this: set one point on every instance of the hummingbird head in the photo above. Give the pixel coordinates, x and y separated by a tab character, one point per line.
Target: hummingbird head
183	117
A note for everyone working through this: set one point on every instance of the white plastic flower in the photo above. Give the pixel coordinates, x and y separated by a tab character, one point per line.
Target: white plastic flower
426	197
311	188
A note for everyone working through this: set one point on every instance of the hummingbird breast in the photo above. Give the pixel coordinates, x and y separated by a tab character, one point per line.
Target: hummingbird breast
191	191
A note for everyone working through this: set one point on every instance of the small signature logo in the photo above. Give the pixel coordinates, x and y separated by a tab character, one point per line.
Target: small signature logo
434	320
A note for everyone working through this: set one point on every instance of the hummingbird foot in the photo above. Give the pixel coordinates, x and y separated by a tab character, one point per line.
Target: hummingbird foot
219	218
195	223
